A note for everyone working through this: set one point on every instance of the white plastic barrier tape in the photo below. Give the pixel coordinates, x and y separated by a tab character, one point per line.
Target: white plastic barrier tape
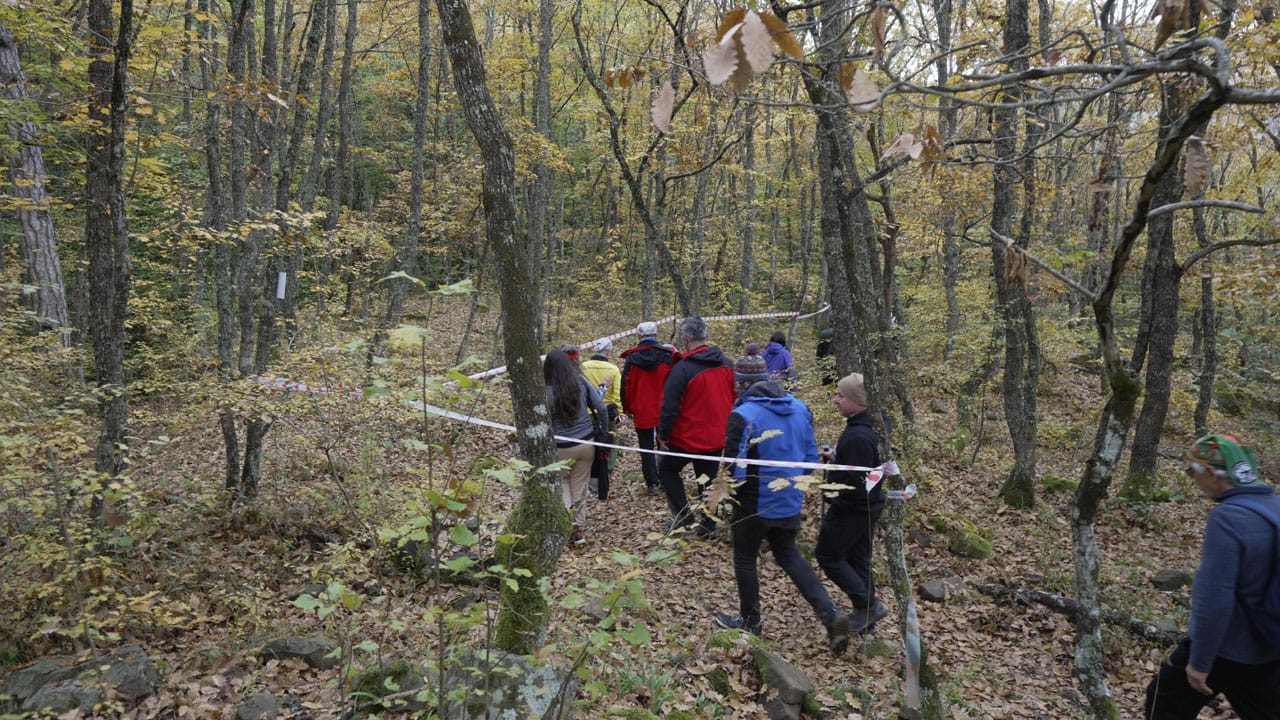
873	474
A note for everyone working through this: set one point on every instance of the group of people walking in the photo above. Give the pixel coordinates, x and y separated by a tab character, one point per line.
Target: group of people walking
696	405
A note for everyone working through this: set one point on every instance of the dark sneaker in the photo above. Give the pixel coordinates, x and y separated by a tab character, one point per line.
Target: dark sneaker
839	630
679	524
702	532
862	620
577	538
651	490
735	622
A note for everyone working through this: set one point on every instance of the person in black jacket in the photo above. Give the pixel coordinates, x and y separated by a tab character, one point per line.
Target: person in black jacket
844	538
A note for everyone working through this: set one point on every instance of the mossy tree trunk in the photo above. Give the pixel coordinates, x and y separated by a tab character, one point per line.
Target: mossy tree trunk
1022	353
539	522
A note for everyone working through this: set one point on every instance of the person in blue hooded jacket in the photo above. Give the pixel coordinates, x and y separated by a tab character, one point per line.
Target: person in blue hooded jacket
1224	650
770	424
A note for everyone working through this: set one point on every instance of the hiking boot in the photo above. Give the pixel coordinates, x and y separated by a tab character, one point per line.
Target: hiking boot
735	622
650	490
577	538
839	630
702	532
862	619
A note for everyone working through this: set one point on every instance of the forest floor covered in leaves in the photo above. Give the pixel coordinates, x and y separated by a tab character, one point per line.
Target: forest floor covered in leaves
203	588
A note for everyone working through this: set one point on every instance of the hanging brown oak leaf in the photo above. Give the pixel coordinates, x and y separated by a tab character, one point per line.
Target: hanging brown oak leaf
935	148
663	107
864	95
1196	165
757	46
905	145
879	30
782	36
623	75
722	60
743	48
1174	15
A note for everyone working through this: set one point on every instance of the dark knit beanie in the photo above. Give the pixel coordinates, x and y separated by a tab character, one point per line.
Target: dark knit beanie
750	369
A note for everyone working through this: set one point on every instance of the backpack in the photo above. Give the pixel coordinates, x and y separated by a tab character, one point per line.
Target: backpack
1265	617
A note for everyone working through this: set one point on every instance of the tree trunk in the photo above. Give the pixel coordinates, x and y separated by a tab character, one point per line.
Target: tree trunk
1115	420
1208	324
538	521
860	314
407	249
1153	349
42	268
106	234
1021	352
544	175
749	212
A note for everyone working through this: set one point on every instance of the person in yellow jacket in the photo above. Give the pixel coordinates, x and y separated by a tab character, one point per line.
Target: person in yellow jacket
607	378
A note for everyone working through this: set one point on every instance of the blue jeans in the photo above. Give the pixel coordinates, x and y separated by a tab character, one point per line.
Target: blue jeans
669	468
1253	690
749	530
844	552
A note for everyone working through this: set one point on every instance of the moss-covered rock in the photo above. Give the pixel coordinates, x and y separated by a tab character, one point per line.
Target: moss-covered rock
635	714
718	678
968	543
1053	483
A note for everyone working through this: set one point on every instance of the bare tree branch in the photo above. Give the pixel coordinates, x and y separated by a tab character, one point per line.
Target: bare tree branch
1208	250
1069	607
1013	247
1232	204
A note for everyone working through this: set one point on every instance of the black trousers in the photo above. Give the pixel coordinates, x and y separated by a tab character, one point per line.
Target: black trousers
648	440
1252	690
669	468
749	531
844	553
600	465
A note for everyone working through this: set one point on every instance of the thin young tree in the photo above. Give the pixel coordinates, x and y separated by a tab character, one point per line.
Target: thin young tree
106	229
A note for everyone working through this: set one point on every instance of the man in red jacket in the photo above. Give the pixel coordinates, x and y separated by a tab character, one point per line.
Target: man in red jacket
644	372
696	401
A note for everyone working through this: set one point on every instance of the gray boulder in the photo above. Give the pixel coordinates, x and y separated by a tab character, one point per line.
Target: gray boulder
317	653
63	698
261	706
500	686
128	671
24	683
1171	579
934	591
785	686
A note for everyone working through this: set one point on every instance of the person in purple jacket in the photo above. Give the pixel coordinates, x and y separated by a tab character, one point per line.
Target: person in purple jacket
1223	651
778	359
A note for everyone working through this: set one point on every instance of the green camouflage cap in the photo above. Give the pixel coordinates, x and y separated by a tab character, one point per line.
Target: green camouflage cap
1225	453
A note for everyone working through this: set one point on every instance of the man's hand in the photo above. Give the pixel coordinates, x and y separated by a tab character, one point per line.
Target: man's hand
1198	681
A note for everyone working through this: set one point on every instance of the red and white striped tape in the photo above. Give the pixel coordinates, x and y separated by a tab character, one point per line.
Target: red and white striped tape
670	318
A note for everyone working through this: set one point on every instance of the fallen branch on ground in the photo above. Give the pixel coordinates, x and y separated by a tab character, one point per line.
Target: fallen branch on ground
1069	607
